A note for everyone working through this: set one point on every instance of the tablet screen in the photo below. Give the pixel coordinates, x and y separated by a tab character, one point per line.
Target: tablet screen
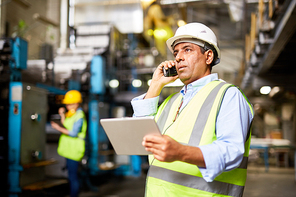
126	134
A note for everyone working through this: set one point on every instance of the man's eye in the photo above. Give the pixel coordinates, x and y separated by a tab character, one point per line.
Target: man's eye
187	50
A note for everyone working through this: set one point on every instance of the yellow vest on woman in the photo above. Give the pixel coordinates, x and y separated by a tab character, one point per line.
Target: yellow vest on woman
194	126
73	147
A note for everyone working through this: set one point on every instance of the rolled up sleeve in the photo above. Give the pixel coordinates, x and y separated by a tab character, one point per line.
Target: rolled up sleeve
76	128
144	107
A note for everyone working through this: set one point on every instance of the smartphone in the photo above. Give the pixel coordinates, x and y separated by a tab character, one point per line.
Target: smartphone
57	119
169	72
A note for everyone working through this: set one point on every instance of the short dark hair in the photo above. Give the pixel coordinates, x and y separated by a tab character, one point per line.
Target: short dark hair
207	47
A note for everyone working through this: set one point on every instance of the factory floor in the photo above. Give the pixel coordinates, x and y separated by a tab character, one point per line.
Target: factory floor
277	182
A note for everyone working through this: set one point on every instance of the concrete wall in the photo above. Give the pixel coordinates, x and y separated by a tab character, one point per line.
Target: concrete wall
35	32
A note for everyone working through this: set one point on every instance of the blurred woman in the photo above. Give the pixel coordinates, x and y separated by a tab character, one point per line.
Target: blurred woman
72	140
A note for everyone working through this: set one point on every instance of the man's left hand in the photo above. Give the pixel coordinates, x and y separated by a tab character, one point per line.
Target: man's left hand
164	148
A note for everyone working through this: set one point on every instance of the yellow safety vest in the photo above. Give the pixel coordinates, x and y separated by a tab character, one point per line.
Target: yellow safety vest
73	147
195	126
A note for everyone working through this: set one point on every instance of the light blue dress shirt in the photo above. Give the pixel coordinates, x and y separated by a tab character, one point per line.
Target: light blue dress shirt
233	121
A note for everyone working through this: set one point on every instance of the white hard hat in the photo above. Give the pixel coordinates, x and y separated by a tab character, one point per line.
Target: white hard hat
196	33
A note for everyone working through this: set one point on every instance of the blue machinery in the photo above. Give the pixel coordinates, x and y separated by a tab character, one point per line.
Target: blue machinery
26	122
97	69
26	136
14	139
17	63
97	135
27	119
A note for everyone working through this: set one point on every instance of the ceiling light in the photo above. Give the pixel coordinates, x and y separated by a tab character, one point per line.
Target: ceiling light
114	83
160	33
150	32
265	89
137	83
181	23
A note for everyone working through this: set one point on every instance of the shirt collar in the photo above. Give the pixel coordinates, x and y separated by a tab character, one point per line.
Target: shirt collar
199	83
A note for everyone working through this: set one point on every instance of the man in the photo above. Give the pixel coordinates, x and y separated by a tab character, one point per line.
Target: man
205	127
72	140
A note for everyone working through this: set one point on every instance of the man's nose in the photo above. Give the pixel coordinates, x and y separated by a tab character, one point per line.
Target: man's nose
178	58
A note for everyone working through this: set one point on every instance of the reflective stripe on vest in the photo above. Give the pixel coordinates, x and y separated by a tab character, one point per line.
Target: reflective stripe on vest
188	175
199	182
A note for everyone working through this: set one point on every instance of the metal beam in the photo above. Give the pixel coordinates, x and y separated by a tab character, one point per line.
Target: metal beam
106	2
284	31
285	81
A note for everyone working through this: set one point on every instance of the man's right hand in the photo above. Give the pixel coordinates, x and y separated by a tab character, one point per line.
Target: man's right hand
62	110
159	80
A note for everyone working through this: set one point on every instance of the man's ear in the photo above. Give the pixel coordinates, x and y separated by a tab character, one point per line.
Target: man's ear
209	56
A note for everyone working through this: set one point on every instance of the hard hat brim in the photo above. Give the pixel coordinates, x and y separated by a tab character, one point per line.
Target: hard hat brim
171	41
71	102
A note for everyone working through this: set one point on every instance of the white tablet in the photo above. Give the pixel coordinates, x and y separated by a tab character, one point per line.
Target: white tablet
126	134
